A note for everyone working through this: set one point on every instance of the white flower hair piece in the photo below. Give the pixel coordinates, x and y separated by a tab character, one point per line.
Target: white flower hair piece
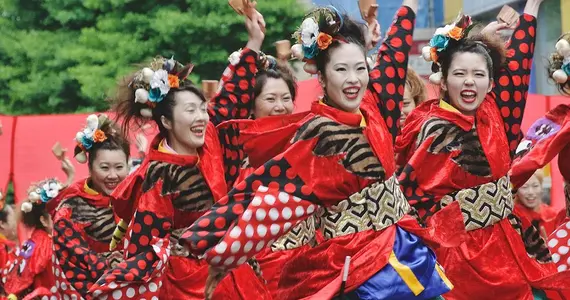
89	135
151	84
563	49
41	192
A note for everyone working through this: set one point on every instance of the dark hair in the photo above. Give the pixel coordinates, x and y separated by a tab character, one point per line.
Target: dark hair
555	63
280	71
490	47
33	218
115	141
350	32
129	111
4	214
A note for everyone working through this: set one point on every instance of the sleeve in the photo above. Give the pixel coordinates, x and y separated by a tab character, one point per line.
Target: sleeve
256	213
388	78
512	82
148	243
233	99
75	256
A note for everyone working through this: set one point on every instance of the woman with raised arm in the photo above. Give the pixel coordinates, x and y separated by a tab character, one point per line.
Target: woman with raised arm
82	213
547	138
333	168
30	275
456	152
180	178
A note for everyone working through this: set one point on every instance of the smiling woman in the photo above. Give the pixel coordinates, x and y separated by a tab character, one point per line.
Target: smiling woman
82	217
180	178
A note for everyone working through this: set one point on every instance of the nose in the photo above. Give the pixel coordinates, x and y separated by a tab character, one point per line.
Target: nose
352	77
203	116
469	81
113	174
279	107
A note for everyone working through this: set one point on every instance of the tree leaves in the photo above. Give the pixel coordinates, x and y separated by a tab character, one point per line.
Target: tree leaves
66	55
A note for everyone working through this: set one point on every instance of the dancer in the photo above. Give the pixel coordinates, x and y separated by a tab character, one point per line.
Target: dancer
327	164
8	233
456	154
414	94
180	178
82	213
547	138
30	274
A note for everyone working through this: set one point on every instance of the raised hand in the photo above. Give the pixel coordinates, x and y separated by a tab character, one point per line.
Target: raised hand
494	28
255	25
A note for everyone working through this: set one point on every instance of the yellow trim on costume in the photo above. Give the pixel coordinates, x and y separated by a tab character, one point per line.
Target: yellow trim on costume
406	274
118	234
163	149
447	106
565	18
443	277
2	237
89	190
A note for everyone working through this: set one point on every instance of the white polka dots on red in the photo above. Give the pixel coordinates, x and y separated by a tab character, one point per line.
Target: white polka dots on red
270	214
559	245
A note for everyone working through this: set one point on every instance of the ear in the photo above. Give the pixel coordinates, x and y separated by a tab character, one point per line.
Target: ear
44	220
443	84
166	122
491	81
321	79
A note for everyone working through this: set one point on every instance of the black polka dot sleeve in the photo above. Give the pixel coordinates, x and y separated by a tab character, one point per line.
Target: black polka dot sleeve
512	83
388	78
233	100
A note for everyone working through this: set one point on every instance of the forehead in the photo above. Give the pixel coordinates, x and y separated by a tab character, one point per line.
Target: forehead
468	61
187	98
275	86
110	156
349	54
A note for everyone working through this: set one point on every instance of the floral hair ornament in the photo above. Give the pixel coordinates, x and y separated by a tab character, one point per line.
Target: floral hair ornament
41	192
90	135
563	49
152	84
316	33
443	37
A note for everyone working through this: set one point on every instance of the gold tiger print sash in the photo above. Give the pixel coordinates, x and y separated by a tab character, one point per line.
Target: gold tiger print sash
483	205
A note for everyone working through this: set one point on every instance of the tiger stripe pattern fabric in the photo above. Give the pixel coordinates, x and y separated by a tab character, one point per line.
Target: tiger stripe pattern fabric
448	137
100	221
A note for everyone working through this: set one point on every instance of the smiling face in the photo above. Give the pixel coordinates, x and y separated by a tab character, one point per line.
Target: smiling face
345	77
108	169
275	99
8	226
409	105
530	193
187	129
467	82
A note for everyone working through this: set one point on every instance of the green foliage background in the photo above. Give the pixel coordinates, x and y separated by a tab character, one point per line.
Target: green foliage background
62	56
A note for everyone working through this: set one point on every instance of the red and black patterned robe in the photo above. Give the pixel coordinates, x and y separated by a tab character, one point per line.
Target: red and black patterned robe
325	170
455	169
83	227
166	194
30	274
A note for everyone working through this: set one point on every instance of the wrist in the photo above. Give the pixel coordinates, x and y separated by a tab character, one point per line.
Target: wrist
254	45
532	7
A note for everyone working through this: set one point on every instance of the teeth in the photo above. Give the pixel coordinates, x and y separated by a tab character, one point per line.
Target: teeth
468	94
351	90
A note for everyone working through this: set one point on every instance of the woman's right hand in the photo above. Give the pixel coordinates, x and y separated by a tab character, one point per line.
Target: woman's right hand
255	25
68	169
494	28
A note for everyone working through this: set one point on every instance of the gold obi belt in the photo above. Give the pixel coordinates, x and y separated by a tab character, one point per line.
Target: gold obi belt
483	205
375	207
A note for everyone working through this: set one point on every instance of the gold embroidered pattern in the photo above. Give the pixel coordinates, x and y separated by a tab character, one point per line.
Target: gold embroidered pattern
301	234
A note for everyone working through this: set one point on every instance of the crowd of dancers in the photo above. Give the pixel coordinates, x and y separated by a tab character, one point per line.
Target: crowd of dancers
374	193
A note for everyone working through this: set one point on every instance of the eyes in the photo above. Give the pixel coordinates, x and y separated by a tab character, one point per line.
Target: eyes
192	109
272	99
478	74
343	69
107	168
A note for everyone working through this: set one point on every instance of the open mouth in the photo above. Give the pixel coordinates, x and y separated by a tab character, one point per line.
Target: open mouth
468	96
198	130
111	185
351	92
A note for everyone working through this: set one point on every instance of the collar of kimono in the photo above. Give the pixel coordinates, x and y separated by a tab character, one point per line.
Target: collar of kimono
447	106
160	151
87	189
362	119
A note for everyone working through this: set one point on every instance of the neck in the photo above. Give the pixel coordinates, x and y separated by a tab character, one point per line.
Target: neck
327	101
180	148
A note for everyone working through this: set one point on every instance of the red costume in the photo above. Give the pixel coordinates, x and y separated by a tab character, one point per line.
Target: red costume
455	168
7	251
548	137
30	274
83	227
332	171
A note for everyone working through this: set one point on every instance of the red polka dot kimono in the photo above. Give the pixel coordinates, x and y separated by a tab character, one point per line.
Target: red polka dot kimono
167	194
547	138
29	275
83	227
322	171
455	169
